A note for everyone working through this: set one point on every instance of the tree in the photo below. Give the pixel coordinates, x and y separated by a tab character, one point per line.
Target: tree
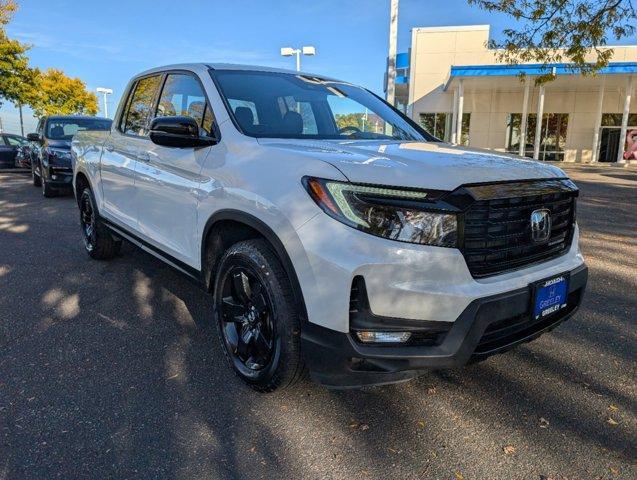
57	94
17	79
553	31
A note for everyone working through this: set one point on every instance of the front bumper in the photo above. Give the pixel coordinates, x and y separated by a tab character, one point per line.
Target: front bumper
59	177
486	326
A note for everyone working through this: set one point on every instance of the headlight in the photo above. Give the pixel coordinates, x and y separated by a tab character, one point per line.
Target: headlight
58	153
397	214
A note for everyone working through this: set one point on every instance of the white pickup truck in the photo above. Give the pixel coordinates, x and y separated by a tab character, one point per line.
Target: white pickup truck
336	236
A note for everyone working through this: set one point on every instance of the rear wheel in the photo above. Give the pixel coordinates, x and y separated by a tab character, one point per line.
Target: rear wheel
98	241
257	319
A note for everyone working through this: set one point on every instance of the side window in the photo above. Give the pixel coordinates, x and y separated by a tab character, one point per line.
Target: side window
40	128
3	141
183	95
14	141
138	112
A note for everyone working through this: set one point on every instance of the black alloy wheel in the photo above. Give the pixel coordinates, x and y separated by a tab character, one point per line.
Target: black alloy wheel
98	241
36	177
257	317
87	221
246	321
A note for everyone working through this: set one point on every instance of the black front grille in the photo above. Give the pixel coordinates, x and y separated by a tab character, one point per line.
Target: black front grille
497	231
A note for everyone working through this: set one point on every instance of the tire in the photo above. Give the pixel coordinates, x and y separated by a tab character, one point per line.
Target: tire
252	267
98	241
47	191
37	181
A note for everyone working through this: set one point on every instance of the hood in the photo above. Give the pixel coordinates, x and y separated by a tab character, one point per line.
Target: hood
431	165
62	144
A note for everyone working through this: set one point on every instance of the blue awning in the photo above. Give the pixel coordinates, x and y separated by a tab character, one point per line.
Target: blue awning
614	68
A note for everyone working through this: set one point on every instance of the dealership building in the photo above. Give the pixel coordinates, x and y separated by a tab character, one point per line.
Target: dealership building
453	85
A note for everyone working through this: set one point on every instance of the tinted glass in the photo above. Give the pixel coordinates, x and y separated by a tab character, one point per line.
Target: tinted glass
65	128
281	105
182	95
16	141
140	108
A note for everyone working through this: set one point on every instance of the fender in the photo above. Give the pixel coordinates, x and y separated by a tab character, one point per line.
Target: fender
261	227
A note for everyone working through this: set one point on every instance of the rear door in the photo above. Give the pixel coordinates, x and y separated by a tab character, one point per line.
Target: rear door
168	180
6	153
15	143
127	147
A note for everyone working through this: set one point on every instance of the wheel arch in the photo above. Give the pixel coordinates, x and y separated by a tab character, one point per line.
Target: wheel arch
80	182
243	226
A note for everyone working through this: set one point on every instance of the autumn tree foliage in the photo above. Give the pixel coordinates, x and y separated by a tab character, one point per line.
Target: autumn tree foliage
57	94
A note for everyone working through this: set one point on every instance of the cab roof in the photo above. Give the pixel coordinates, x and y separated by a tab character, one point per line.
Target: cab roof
228	66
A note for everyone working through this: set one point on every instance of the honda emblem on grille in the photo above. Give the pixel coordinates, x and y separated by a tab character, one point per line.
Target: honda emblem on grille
540	225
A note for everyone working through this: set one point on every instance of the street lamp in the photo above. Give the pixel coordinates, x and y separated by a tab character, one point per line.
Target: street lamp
105	92
288	52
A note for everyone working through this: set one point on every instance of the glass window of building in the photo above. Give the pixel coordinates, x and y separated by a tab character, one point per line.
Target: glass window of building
552	136
615	119
440	125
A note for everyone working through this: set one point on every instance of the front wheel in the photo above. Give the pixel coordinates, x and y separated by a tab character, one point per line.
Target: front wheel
98	241
47	191
257	318
36	178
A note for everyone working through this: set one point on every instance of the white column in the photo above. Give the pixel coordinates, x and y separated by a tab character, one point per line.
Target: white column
459	113
622	136
538	123
525	114
454	116
598	120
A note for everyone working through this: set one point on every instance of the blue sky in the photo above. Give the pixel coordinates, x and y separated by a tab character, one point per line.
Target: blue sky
106	42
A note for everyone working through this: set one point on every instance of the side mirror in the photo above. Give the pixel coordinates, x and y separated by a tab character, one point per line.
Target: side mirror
180	132
34	137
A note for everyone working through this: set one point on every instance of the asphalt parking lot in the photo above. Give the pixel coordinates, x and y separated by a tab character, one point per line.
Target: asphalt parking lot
111	370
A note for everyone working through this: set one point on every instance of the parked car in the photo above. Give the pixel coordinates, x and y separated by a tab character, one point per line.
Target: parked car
51	155
362	254
11	150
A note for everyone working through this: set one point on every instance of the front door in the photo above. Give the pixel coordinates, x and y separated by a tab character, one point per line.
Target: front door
168	180
125	148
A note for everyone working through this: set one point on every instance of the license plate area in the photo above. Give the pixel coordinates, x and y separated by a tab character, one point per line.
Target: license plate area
550	296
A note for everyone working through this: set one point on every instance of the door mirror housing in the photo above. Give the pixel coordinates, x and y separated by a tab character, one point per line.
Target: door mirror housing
178	131
34	137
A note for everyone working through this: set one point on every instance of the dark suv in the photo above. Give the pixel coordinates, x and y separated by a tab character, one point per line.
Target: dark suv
51	158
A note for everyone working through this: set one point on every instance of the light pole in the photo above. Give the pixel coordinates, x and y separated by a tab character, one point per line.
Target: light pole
391	59
105	92
288	52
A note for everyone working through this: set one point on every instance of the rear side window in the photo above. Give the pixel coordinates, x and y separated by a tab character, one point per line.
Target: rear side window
183	95
15	141
140	106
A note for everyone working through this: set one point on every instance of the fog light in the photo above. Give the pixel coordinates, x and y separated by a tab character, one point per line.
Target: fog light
383	337
54	177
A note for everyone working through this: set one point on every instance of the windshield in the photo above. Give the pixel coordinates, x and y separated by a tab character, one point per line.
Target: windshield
65	128
282	105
